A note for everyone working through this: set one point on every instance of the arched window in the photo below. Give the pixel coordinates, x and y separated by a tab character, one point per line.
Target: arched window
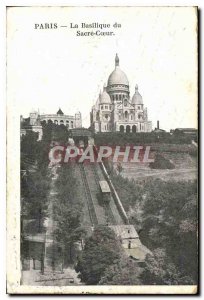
126	115
125	102
116	97
121	128
134	128
61	122
119	97
128	128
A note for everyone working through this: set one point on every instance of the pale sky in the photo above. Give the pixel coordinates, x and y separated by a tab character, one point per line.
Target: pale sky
48	69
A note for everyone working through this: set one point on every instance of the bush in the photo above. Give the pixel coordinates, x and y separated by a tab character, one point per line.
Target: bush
161	162
101	250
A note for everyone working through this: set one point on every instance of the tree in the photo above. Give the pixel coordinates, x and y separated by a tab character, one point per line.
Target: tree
159	270
42	156
29	147
165	215
66	185
101	250
161	162
60	133
47	131
124	272
68	229
34	153
34	197
67	211
54	132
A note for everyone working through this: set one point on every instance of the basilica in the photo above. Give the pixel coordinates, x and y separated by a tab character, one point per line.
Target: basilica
115	110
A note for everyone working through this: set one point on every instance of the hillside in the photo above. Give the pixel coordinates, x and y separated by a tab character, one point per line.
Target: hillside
185	165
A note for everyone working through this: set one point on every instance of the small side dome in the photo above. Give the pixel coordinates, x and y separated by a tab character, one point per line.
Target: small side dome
104	97
137	98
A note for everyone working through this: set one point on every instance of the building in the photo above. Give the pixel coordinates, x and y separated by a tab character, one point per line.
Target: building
32	123
186	131
35	120
158	129
81	136
115	110
130	241
60	118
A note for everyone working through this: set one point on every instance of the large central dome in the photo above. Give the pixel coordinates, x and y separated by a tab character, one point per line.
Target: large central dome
117	76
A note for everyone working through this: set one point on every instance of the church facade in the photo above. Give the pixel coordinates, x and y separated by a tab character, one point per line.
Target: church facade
115	110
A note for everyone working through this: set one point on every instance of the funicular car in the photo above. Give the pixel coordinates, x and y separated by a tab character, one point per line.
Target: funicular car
105	190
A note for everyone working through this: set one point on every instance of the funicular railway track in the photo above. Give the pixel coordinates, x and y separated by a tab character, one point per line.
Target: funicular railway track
107	207
91	209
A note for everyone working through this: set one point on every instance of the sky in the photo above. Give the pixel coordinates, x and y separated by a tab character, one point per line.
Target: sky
52	68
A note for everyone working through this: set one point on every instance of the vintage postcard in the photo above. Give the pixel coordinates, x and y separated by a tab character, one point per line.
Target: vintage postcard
102	148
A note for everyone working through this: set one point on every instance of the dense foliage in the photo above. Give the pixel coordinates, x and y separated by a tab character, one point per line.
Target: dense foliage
160	270
101	250
67	211
35	177
34	180
160	162
123	272
34	197
165	216
121	139
54	132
